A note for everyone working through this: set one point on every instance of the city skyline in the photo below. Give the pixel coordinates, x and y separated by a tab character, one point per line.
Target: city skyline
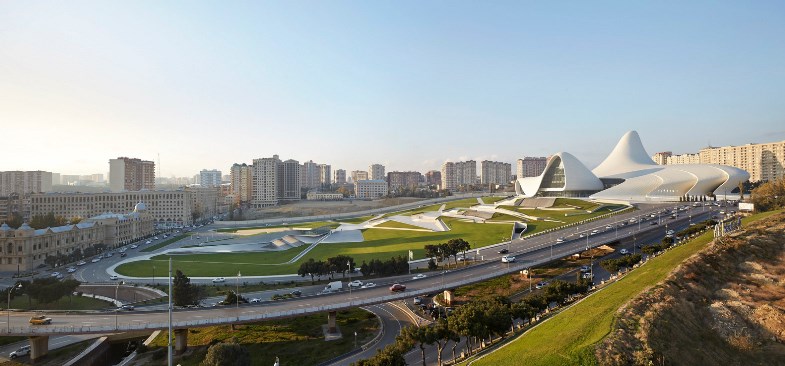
406	85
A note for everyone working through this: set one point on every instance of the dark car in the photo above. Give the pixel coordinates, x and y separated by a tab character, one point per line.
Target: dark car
504	251
296	293
397	288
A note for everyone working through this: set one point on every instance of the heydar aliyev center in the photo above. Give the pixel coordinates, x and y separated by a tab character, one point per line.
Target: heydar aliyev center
629	174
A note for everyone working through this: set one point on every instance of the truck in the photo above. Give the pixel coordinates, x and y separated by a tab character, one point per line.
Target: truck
40	320
333	286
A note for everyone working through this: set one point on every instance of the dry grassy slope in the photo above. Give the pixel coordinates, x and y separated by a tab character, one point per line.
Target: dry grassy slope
723	306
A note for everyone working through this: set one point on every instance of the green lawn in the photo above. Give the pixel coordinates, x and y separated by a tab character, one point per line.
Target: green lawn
569	337
22	302
164	243
379	243
295	341
357	220
310	225
464	203
399	225
505	217
570	202
490	200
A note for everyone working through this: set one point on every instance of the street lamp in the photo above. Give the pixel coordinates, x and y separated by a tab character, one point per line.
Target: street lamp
349	269
8	309
116	300
237	294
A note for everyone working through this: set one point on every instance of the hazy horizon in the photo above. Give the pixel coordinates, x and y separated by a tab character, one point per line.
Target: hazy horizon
407	84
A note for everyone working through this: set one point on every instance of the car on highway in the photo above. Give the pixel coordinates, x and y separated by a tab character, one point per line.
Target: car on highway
508	259
113	277
624	251
122	254
670	232
297	293
368	285
40	320
126	307
256	300
81	263
585	269
22	351
419	276
541	285
355	283
398	288
219	280
559	240
504	251
608	227
594	232
587	276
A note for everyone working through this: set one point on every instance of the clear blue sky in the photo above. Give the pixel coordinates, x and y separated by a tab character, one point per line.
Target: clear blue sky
408	84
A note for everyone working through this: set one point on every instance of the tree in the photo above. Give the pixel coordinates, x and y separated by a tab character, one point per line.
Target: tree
313	268
14	220
227	354
338	264
419	335
183	293
768	196
432	265
741	191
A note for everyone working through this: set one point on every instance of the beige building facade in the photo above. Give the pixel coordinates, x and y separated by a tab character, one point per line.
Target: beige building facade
25	182
131	174
370	189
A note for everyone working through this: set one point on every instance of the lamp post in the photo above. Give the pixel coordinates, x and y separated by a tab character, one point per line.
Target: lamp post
349	269
8	309
237	294
116	300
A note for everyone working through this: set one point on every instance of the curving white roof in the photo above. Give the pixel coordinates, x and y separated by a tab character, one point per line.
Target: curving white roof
576	177
628	159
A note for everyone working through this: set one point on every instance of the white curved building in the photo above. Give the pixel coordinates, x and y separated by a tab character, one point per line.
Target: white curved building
629	174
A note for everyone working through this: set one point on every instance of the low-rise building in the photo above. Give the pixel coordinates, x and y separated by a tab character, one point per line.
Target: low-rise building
323	196
370	188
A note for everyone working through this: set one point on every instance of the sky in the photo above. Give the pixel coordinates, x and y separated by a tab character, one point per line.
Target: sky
408	84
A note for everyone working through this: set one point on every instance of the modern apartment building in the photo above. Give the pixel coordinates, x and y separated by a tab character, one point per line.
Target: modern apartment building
25	182
376	172
339	176
289	180
210	178
14	203
168	208
131	174
764	162
449	176
309	175
661	158
531	166
433	177
370	189
462	173
359	175
683	159
242	182
265	182
495	172
325	175
396	180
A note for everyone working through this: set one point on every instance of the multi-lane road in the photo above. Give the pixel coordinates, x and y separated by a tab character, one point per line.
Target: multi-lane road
529	252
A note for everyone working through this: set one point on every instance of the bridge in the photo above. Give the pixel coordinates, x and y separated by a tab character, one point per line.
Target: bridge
529	252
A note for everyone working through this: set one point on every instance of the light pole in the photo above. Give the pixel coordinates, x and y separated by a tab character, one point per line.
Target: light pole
170	336
116	300
8	309
349	269
237	294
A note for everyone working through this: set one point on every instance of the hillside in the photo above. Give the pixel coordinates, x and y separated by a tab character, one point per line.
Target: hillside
723	306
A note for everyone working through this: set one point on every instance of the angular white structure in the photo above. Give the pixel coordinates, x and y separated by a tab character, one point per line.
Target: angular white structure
629	174
564	176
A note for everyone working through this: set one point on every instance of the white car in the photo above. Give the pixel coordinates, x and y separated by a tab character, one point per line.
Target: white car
109	255
147	242
113	277
541	285
255	301
134	246
508	259
585	269
22	351
219	280
155	238
368	285
419	276
55	274
71	270
560	240
624	251
594	232
669	232
81	263
95	260
356	283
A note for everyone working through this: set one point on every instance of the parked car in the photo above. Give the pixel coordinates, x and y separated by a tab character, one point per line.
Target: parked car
22	351
134	246
356	283
219	280
71	269
155	238
417	300
419	276
55	274
95	260
147	242
508	259
397	288
40	320
81	263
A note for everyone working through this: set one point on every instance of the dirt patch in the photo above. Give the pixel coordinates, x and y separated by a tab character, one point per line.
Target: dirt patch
317	208
723	306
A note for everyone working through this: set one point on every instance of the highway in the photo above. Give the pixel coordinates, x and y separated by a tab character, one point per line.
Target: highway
529	252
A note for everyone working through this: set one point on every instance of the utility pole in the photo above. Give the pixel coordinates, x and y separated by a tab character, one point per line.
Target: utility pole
171	334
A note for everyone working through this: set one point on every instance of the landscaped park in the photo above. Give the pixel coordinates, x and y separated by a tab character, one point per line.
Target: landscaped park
479	221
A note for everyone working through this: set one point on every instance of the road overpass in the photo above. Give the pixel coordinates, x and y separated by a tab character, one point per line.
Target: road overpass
529	252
